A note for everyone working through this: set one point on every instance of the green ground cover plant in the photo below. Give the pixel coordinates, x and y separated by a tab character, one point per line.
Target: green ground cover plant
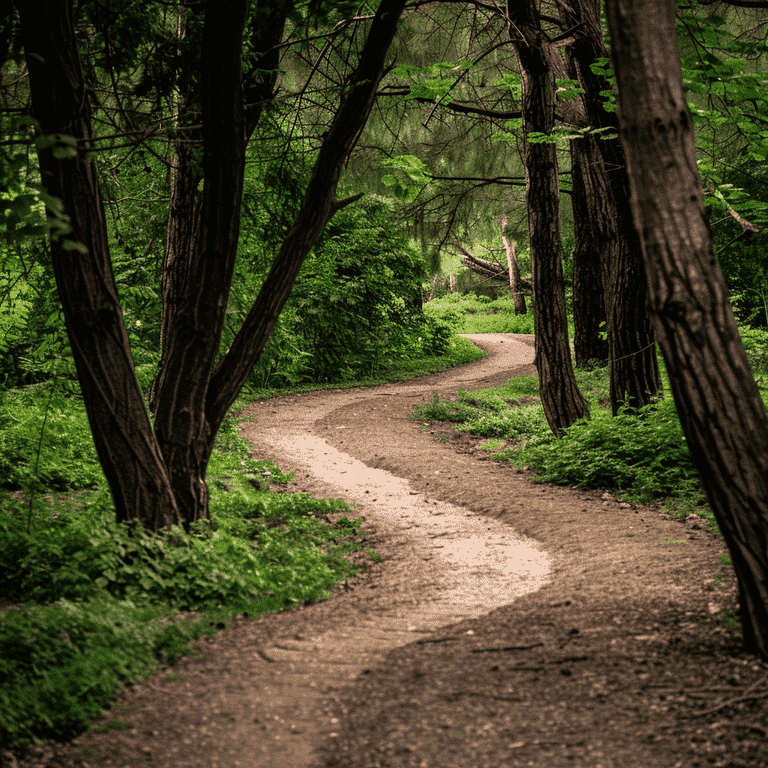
103	604
57	457
468	313
642	457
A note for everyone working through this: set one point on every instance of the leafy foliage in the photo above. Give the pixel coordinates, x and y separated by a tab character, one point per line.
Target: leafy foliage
643	457
53	453
413	175
100	601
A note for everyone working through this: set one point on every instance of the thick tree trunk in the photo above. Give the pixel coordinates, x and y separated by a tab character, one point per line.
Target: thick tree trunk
563	403
129	455
518	299
181	426
595	236
719	405
635	377
182	265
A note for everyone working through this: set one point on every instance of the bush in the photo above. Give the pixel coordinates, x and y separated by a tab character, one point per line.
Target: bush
99	600
644	457
41	417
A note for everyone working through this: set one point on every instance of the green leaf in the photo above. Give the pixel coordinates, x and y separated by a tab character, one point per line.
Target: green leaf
73	245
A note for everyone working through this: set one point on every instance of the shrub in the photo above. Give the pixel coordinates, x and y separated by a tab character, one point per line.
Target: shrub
644	456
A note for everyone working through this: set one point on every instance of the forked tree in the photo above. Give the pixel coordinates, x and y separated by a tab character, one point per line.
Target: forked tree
157	472
718	402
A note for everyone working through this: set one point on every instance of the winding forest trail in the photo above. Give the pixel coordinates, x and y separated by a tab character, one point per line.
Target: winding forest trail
507	624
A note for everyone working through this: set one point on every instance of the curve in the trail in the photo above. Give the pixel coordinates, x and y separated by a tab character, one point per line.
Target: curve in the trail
451	563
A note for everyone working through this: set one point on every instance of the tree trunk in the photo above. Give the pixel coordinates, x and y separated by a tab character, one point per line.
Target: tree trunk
635	377
159	476
128	453
185	204
518	299
182	266
595	236
185	208
181	426
563	403
717	399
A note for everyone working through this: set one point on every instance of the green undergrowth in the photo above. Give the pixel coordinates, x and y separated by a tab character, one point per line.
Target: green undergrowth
45	441
467	313
642	458
458	351
102	604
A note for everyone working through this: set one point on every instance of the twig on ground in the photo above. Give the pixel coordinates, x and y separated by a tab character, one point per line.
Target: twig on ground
497	649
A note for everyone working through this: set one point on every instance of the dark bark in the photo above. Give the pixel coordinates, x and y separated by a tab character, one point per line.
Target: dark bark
718	402
183	432
635	377
563	403
318	207
265	31
184	210
595	238
129	455
185	204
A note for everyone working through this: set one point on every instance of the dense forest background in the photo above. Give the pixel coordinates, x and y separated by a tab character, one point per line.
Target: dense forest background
440	161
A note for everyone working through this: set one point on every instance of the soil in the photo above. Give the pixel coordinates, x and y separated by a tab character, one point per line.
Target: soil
507	623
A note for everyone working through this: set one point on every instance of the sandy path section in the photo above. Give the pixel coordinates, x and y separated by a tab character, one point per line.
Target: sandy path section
444	564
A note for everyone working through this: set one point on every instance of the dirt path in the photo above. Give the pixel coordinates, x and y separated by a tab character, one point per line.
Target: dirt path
508	624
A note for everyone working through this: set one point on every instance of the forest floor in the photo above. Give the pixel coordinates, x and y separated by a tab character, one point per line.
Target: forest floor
507	623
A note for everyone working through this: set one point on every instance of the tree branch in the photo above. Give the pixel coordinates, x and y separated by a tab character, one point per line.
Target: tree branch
455	106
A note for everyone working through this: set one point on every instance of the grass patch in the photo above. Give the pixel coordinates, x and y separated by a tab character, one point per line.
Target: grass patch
641	458
468	313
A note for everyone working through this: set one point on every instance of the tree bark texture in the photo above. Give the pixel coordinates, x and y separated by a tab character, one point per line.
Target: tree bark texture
181	426
595	237
563	403
518	298
635	377
717	399
185	204
128	453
